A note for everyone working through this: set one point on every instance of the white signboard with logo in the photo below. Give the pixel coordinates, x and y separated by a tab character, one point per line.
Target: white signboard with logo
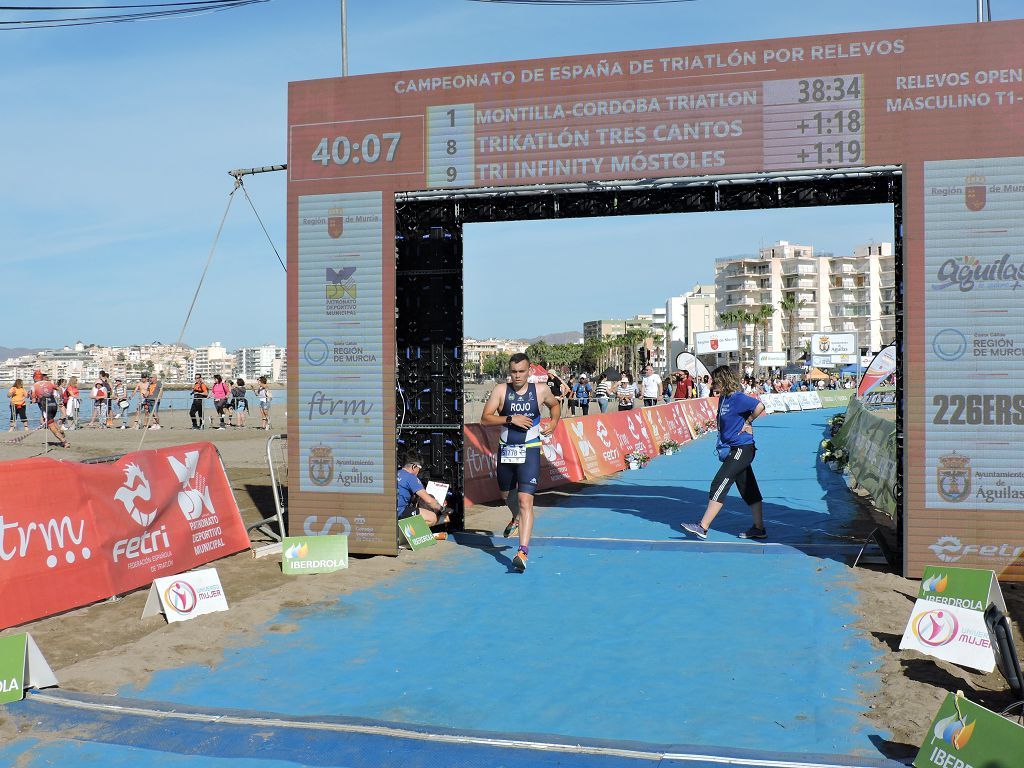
834	344
714	342
974	344
808	400
791	401
771	359
822	361
341	400
186	596
948	618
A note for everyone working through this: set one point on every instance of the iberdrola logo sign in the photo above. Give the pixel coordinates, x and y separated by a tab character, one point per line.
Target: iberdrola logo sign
314	554
964	735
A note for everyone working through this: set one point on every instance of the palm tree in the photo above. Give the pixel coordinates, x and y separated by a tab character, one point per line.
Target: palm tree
743	319
762	317
669	327
791	305
631	339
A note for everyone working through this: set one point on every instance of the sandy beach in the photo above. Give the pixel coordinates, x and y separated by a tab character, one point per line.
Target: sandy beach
102	647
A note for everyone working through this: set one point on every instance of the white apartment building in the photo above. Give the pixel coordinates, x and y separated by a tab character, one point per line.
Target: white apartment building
253	362
839	294
476	351
211	360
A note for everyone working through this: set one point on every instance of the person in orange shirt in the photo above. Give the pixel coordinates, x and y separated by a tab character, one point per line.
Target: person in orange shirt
18	396
199	393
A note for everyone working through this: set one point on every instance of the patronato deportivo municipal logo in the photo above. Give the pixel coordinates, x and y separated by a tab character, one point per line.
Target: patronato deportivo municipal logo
181	597
320	465
953	477
135	487
338	283
974	193
296	551
936	583
335	222
954	730
823	344
935	628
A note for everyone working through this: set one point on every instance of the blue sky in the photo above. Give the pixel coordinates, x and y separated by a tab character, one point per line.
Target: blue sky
115	141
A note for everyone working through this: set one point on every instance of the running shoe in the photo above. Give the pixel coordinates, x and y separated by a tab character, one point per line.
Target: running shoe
512	529
441	536
695	529
753	532
519	562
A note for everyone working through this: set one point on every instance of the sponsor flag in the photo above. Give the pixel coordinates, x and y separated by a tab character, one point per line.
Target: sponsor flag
881	368
965	734
948	618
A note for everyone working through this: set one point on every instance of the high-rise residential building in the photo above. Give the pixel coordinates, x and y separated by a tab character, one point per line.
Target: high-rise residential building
834	294
211	360
253	362
602	329
476	351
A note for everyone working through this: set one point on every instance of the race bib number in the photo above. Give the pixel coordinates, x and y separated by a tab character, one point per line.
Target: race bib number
513	454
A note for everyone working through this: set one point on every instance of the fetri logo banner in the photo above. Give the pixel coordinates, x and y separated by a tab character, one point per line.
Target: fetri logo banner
964	735
948	619
314	554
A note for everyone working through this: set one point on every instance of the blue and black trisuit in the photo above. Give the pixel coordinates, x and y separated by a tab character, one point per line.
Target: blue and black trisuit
519	452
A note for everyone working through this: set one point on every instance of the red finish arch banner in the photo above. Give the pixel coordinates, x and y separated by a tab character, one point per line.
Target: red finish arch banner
945	103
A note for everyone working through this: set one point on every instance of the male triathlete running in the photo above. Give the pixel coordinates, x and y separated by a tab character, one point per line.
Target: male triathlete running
45	394
516	408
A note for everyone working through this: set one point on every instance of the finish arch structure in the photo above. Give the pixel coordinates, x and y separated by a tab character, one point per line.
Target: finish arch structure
932	116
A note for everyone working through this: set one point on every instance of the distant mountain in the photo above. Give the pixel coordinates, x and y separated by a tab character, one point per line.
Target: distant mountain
565	337
6	352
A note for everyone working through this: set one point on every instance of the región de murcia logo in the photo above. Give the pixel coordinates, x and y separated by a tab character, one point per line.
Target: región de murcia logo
974	193
953	477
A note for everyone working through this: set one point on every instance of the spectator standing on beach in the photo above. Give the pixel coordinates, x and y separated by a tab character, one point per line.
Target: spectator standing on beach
556	385
221	393
199	393
95	394
18	396
60	390
142	390
265	398
108	388
516	408
625	393
583	393
156	391
736	450
684	386
570	395
650	386
121	401
603	386
239	405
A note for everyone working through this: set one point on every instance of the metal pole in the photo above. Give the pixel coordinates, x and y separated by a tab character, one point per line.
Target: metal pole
981	10
344	37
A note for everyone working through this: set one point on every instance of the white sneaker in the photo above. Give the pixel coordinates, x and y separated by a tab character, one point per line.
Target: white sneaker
155	426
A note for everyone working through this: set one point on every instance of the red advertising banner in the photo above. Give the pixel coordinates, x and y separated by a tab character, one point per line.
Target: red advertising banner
631	432
675	419
72	534
596	445
559	463
479	467
701	415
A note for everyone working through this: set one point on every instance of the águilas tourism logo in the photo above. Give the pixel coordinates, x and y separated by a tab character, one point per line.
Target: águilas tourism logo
953	477
320	465
936	583
968	272
296	551
181	597
935	628
974	193
954	731
335	222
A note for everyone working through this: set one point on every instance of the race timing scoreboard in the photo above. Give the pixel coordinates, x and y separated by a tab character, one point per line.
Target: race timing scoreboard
945	104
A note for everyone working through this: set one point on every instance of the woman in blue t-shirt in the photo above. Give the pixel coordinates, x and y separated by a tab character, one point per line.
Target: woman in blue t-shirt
736	414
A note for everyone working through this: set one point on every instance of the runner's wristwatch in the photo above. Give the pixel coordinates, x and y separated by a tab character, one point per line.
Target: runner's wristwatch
508	421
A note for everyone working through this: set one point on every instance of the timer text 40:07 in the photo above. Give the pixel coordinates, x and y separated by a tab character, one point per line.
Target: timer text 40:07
369	149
